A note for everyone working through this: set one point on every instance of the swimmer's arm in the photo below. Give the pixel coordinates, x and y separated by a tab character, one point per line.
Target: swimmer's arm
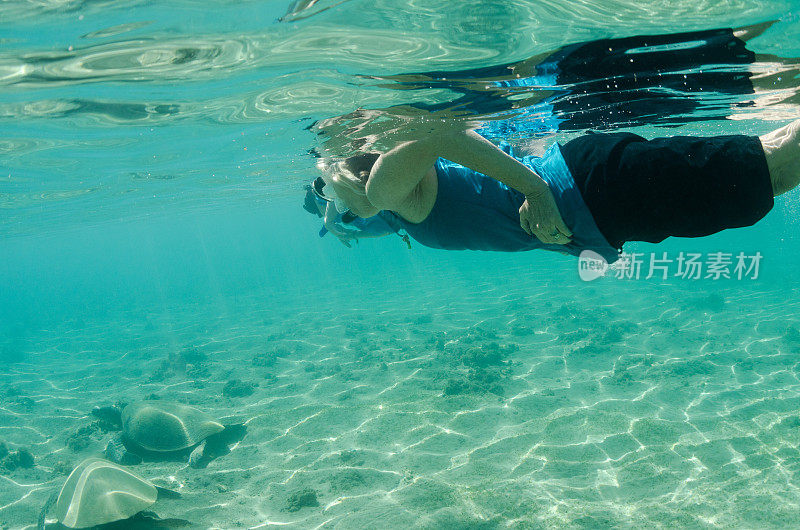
332	226
470	149
394	182
330	218
344	235
396	173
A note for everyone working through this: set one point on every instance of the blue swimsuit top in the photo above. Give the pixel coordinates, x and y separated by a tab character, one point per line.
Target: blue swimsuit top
476	212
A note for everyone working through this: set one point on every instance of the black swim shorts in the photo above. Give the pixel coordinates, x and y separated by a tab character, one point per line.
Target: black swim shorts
648	190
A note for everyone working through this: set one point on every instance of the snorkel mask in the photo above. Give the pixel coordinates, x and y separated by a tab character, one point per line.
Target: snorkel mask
323	187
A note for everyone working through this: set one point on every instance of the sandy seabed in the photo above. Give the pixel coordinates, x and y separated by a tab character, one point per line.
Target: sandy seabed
488	405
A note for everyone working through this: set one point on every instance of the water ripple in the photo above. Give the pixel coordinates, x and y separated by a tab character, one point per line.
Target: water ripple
135	60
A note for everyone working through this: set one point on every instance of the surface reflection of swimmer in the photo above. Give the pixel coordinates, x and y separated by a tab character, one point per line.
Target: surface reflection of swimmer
296	8
300	9
607	83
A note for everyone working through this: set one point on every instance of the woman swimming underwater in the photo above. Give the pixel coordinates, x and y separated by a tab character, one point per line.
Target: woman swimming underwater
457	190
451	188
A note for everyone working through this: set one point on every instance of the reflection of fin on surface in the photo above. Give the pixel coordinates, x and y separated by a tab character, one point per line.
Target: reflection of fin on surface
296	7
300	9
747	33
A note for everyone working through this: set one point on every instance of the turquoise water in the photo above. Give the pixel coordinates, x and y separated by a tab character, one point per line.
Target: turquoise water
152	158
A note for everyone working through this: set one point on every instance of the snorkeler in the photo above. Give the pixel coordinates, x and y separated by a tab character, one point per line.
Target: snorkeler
452	188
457	190
323	202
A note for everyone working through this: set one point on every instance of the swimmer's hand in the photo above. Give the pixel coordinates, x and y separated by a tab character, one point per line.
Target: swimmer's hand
539	217
346	235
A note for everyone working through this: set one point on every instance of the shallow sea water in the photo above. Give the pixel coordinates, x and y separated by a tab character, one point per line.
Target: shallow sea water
152	158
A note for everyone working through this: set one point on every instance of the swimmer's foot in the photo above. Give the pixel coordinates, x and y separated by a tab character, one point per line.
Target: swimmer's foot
782	150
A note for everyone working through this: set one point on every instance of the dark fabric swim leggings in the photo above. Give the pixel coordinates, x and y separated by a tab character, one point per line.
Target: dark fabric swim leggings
648	190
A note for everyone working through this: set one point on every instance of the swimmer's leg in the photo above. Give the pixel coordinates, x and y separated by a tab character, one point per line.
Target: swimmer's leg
782	149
